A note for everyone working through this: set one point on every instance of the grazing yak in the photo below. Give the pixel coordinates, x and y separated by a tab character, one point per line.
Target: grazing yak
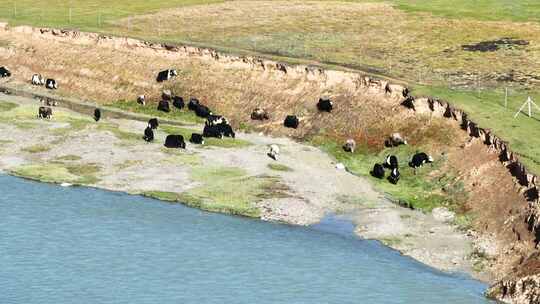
213	120
394	176
166	95
196	139
419	159
259	114
349	146
38	80
291	121
325	105
45	113
51	84
97	115
378	171
274	152
395	140
148	134
4	72
218	131
164	106
166	75
141	99
175	142
193	103
49	102
153	123
178	102
391	162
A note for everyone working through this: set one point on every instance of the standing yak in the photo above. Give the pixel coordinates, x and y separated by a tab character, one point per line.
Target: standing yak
97	115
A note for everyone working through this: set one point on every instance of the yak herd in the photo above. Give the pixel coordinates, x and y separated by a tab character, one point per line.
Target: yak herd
218	126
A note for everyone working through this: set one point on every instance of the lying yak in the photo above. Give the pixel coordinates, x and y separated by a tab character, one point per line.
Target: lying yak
395	140
45	113
196	139
259	114
166	75
291	121
153	123
325	105
164	106
4	72
51	84
378	171
175	142
148	134
97	115
38	80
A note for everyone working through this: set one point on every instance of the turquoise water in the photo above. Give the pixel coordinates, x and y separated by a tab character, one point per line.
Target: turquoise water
77	245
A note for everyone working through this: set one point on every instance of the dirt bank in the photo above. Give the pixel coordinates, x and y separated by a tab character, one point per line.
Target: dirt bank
468	177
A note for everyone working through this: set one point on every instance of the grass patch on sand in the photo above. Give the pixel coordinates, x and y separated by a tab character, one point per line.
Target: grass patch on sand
225	142
279	167
7	106
179	156
150	109
36	149
225	190
424	191
69	157
57	172
128	164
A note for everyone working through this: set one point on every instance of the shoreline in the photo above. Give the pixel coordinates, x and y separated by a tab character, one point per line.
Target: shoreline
293	203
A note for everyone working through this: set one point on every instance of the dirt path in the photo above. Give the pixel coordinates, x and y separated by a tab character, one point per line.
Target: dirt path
231	176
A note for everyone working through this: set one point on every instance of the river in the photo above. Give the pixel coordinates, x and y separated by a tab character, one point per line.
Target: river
80	245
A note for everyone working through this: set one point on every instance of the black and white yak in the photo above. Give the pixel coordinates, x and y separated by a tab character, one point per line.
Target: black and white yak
274	152
291	121
419	159
97	115
153	123
164	106
391	162
38	80
175	142
148	134
378	171
349	146
4	72
325	105
51	84
166	75
45	113
197	139
394	176
141	99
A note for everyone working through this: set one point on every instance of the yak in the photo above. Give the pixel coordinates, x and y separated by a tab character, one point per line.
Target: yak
4	72
196	139
164	106
45	113
51	84
391	162
178	102
148	134
325	105
394	176
378	171
291	121
97	115
175	142
166	75
153	123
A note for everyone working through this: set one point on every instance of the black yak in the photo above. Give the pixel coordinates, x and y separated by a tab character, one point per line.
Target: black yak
164	106
378	171
259	114
196	139
148	134
175	142
4	72
153	123
291	121
325	105
45	112
97	115
178	102
51	84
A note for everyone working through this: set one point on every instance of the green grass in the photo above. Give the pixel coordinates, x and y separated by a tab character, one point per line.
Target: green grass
487	109
36	149
279	167
225	190
150	109
225	142
69	157
425	191
49	173
122	135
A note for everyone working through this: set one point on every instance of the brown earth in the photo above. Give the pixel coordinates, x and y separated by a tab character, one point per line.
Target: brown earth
108	70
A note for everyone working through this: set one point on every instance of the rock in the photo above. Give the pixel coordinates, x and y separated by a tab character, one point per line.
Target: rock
66	185
443	215
340	166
